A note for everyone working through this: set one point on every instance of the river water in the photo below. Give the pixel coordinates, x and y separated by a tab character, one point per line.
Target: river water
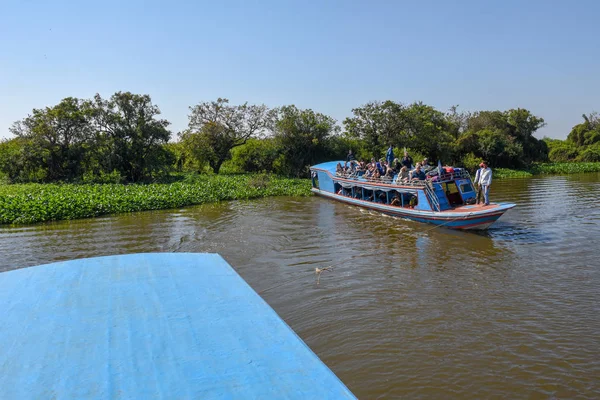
408	310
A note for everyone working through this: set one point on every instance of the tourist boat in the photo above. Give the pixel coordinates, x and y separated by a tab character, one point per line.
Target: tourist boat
445	198
149	326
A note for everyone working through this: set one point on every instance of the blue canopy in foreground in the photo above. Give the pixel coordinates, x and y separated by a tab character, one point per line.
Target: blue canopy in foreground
147	326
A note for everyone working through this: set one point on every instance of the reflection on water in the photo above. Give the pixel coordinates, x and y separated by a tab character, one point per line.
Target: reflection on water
407	310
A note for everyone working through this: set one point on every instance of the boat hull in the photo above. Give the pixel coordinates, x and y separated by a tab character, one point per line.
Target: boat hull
464	220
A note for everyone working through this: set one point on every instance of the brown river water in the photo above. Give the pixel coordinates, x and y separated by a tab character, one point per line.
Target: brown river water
408	310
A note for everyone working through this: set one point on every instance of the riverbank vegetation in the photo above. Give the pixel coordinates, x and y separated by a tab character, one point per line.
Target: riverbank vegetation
122	139
29	203
99	156
558	168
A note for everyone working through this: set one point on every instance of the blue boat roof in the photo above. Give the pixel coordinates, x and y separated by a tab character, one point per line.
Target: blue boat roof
328	166
147	326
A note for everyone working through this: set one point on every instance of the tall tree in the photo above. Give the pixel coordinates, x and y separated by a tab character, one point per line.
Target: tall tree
523	124
58	134
504	138
222	127
129	135
588	132
416	126
302	138
378	124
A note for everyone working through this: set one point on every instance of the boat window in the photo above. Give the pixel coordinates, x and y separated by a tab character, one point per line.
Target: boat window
454	197
337	188
466	187
395	198
380	196
315	179
413	200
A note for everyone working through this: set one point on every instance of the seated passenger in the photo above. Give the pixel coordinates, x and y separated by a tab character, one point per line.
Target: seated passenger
376	175
403	175
417	174
413	201
389	175
425	165
396	200
339	171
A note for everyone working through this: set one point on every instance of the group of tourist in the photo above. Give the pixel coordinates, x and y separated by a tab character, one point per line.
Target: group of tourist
384	169
403	171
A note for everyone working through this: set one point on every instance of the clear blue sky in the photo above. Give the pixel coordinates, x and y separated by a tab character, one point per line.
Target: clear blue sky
324	55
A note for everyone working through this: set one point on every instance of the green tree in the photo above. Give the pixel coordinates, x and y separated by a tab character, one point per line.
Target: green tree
221	127
522	125
417	126
590	153
339	144
195	149
21	161
129	137
302	136
499	149
427	130
561	150
504	139
59	135
378	124
257	155
586	133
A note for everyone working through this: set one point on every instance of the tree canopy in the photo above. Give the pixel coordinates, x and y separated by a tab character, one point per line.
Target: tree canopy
302	137
123	139
220	127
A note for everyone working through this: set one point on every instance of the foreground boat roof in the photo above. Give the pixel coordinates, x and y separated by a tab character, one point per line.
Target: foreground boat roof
147	326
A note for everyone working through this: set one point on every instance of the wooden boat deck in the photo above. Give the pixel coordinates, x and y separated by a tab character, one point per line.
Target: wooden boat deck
473	208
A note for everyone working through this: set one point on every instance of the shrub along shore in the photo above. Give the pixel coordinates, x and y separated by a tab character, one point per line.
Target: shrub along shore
548	169
31	203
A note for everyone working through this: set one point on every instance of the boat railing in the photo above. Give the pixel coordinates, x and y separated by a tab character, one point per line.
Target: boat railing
429	192
432	176
451	176
405	182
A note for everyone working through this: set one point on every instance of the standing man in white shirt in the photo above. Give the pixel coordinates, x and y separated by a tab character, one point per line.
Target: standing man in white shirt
477	184
485	180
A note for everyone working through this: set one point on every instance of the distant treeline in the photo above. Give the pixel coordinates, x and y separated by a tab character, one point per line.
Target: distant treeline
122	139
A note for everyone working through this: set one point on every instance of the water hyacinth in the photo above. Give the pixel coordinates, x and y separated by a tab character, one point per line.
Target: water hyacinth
566	168
548	169
31	203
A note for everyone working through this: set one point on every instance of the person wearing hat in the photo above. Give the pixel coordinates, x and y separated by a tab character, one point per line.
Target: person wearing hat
477	185
483	178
